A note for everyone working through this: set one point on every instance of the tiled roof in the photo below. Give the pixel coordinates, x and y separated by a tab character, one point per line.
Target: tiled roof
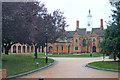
98	31
70	34
82	31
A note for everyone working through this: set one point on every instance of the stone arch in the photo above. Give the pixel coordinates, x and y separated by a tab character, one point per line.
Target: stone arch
14	49
19	49
28	49
23	49
50	49
31	48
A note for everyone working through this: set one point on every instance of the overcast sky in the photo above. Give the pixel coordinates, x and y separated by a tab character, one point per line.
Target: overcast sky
78	10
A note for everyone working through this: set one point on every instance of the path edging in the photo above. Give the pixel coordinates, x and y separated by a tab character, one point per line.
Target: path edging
102	69
26	73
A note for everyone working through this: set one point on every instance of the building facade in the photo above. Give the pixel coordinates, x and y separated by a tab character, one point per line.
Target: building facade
82	40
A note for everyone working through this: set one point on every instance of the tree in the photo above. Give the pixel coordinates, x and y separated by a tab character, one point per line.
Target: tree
54	23
18	21
24	22
112	35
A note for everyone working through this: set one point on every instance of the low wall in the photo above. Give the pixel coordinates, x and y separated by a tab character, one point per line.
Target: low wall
2	73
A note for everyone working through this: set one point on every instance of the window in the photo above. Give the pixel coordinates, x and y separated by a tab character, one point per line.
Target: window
76	48
62	47
84	42
76	40
94	40
57	47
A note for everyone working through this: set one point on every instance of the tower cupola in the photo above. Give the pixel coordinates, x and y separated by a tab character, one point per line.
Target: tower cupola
89	22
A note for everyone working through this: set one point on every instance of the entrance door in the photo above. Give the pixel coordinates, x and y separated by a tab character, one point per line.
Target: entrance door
94	48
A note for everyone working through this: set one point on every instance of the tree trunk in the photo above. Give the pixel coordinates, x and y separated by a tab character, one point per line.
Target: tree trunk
6	51
7	47
35	52
114	56
42	49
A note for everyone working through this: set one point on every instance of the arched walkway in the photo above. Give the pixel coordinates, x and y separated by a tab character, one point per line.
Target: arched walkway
19	49
14	49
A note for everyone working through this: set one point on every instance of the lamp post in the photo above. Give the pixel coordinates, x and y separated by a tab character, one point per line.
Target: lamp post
46	27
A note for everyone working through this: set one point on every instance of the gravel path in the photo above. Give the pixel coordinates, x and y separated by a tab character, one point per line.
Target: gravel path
72	68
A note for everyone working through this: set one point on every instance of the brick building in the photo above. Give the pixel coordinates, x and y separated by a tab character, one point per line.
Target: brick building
82	40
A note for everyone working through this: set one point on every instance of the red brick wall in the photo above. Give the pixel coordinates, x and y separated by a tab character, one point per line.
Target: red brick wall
3	73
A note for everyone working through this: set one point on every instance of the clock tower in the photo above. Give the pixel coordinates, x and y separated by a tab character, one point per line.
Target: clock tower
89	22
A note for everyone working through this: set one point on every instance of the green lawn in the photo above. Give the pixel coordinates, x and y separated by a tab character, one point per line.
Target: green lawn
16	64
114	65
74	55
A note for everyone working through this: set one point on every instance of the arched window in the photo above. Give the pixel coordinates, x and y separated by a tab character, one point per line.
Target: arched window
94	40
50	49
94	49
76	40
62	47
57	47
84	42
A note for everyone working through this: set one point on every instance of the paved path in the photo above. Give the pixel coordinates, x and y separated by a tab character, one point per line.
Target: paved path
72	68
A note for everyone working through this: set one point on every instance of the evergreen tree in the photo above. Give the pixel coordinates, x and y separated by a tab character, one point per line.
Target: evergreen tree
111	44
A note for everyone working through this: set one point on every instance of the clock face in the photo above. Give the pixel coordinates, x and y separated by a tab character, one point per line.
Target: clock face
88	24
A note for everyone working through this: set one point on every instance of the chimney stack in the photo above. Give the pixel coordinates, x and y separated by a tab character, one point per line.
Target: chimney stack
101	26
77	25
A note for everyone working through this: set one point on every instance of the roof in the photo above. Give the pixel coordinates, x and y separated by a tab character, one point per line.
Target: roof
82	31
61	40
70	34
98	31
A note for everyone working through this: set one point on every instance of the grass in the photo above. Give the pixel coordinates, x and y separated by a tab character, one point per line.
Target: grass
113	65
17	64
62	55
